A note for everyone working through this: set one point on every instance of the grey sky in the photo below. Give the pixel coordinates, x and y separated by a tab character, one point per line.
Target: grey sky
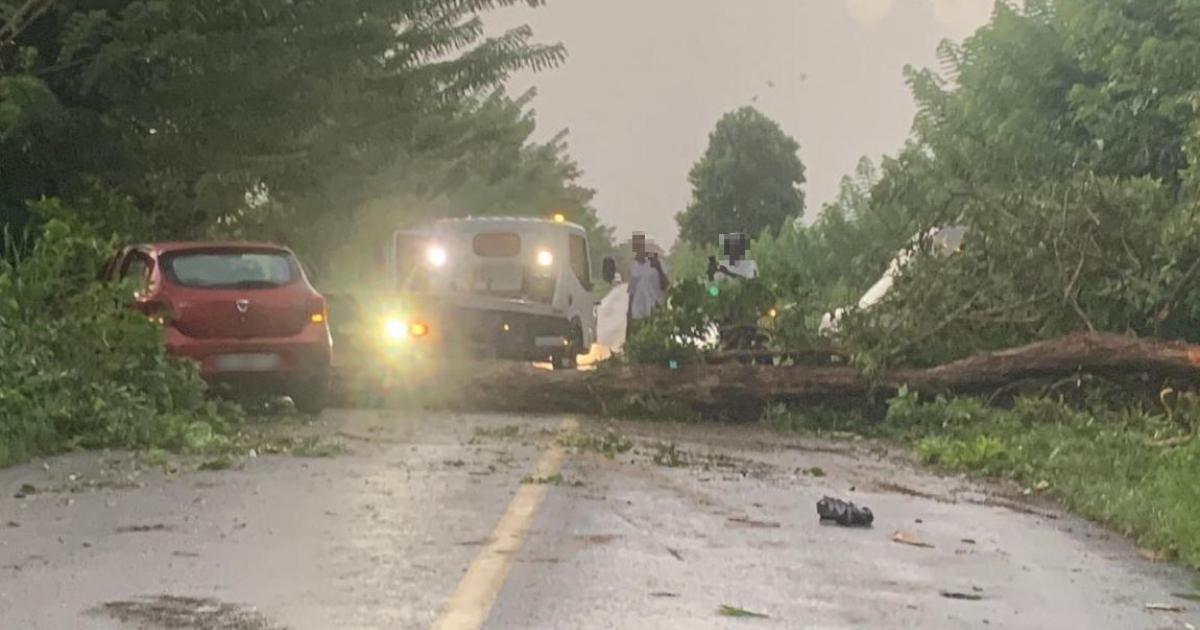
647	80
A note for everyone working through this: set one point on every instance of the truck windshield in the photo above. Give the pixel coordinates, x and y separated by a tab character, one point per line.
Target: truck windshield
496	245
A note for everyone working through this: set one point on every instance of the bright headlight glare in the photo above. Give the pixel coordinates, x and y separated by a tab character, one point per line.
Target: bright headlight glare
545	258
436	256
397	330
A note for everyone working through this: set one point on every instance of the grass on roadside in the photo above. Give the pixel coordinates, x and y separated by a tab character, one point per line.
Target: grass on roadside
1133	469
610	444
671	456
506	432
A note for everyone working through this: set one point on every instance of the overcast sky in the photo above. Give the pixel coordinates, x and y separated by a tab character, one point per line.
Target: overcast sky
646	80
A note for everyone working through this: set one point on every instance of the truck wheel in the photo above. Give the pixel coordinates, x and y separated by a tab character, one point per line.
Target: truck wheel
568	359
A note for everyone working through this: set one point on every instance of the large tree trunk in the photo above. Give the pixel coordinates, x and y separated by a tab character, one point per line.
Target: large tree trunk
519	387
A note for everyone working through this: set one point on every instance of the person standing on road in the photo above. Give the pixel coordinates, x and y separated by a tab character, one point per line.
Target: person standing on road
647	288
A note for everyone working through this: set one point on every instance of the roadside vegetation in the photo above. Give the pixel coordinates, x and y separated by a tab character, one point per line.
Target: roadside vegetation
78	368
1064	136
135	121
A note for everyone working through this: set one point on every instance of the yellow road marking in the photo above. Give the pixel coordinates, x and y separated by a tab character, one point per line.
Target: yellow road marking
472	602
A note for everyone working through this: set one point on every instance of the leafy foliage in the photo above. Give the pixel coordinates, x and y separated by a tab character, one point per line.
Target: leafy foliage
1064	136
242	115
682	333
322	125
79	368
748	180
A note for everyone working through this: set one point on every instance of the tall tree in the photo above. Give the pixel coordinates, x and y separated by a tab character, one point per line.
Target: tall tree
749	180
198	108
1064	135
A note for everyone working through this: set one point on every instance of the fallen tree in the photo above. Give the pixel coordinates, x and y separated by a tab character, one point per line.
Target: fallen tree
518	387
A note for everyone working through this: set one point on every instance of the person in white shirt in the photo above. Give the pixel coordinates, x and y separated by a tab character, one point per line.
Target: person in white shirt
647	288
735	269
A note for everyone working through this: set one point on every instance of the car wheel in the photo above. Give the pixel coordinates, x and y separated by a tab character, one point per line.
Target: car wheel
311	394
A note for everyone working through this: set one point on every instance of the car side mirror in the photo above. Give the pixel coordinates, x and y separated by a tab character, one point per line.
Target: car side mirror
609	270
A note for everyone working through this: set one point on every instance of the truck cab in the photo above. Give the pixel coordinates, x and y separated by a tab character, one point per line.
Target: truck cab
501	287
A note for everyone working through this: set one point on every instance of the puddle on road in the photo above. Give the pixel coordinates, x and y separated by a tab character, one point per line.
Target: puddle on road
170	612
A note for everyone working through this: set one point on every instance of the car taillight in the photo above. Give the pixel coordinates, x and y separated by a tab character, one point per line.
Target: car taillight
159	312
418	330
318	313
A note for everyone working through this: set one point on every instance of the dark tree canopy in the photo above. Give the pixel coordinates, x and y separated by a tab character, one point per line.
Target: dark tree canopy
204	110
749	180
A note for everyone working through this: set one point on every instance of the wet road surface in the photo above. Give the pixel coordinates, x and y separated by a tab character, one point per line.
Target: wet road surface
437	520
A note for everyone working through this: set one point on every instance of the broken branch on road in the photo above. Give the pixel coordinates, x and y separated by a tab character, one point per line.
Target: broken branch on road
911	540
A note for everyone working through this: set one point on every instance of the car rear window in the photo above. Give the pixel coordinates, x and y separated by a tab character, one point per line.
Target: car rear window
497	245
231	269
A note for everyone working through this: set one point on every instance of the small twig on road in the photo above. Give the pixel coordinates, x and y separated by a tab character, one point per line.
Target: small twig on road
733	611
971	597
748	522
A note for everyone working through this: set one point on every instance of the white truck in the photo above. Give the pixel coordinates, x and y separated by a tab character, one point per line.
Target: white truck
944	240
500	287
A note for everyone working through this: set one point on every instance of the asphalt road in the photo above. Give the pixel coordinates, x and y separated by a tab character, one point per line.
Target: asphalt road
426	523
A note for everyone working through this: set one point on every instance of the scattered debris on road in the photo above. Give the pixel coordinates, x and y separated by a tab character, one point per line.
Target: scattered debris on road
185	613
889	486
26	489
1012	505
1175	608
664	594
138	529
609	445
911	540
968	541
844	513
676	553
507	431
1191	597
670	455
733	611
749	522
553	480
970	597
597	539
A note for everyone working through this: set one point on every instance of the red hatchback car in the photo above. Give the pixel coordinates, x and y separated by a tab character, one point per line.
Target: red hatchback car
244	311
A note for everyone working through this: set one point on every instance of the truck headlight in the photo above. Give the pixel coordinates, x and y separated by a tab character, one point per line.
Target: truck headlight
545	258
396	329
436	256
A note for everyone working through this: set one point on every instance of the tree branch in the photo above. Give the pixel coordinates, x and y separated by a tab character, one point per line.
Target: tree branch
20	19
1177	293
1070	295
